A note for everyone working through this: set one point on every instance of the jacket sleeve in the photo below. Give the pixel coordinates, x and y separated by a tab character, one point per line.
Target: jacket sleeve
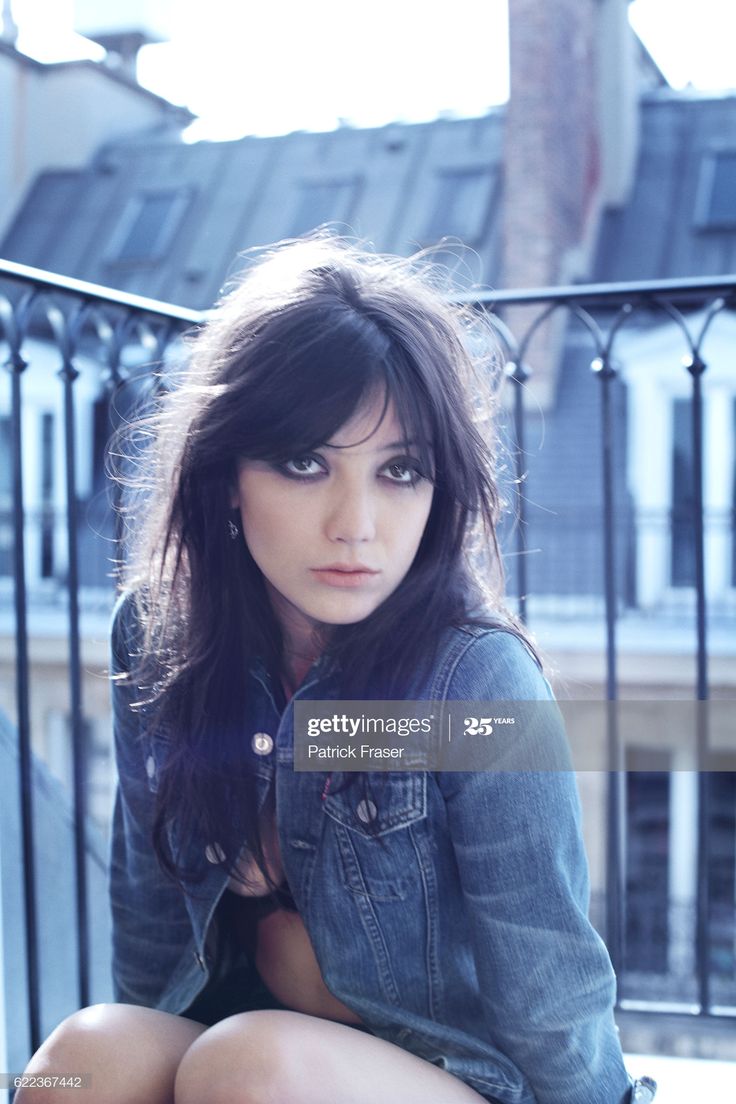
150	923
546	980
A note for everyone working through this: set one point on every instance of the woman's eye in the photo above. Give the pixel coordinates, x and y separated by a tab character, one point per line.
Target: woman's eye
403	472
301	466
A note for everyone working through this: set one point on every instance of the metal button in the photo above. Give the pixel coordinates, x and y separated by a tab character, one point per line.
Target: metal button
214	853
262	743
366	811
150	766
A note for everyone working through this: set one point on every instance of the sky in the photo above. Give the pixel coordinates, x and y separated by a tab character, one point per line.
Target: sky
257	68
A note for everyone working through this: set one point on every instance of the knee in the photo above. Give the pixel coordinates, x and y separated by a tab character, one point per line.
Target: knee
251	1058
111	1047
77	1047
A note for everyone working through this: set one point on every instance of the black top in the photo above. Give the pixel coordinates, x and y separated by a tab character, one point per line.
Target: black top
240	915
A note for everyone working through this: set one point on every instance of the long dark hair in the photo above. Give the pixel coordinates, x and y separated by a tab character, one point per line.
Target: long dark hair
312	330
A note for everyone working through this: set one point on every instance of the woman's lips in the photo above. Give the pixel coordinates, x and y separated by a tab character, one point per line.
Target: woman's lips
343	578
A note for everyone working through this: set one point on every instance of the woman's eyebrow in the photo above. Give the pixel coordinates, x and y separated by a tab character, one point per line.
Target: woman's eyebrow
398	445
383	448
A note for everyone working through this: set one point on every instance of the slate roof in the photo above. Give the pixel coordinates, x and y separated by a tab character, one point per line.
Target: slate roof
659	233
401	186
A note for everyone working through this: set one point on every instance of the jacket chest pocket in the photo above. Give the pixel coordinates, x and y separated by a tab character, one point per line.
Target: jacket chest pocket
373	828
387	803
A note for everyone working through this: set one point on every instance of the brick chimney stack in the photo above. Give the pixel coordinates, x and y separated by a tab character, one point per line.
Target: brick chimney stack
556	152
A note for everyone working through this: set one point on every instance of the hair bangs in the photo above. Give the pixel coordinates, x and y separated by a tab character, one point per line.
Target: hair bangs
413	414
310	383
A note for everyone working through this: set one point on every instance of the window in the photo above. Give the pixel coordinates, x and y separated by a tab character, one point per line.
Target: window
683	500
323	201
647	852
660	464
461	205
716	196
147	226
722	867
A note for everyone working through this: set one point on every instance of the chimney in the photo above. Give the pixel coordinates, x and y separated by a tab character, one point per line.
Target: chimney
123	27
10	27
620	81
572	109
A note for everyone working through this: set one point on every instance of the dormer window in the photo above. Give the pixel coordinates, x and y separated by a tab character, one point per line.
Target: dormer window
148	225
461	205
715	207
323	201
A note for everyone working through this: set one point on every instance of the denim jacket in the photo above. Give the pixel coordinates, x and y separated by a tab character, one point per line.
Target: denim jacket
470	944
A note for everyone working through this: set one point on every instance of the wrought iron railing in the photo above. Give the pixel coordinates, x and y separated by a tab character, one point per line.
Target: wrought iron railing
79	322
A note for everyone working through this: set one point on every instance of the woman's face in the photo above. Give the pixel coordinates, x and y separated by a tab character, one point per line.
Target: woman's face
335	531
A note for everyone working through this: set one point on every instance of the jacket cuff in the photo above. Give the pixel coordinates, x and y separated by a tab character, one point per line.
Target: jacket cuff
643	1090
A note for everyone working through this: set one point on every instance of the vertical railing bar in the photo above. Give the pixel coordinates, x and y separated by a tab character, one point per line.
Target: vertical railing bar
702	923
521	570
68	375
17	366
116	495
114	384
116	381
614	859
696	367
609	530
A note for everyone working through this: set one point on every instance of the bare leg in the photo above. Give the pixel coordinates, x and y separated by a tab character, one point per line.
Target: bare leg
275	1057
130	1055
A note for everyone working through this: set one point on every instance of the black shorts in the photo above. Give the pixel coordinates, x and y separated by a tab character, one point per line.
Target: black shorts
241	989
238	989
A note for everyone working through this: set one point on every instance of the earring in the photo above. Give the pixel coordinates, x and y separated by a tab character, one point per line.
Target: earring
232	530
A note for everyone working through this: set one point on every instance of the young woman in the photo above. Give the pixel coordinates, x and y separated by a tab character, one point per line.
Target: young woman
319	525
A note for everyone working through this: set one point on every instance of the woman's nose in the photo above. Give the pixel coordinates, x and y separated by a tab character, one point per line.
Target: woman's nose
351	515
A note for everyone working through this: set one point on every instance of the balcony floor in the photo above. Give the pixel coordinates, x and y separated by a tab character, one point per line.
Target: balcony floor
686	1080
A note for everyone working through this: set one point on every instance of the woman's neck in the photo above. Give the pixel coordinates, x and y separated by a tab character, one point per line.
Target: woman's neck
301	638
294	666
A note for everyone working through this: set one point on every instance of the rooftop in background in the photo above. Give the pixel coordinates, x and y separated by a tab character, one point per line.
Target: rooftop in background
179	115
168	220
680	219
